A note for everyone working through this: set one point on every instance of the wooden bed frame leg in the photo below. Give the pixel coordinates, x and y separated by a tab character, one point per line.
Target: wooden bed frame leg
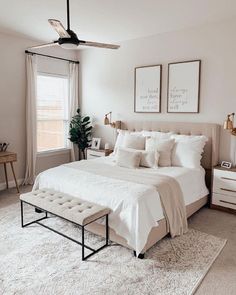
140	256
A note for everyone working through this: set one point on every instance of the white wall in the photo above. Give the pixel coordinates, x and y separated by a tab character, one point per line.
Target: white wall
107	77
12	101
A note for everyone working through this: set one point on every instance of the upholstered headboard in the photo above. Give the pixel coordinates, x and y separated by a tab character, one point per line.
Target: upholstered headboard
211	131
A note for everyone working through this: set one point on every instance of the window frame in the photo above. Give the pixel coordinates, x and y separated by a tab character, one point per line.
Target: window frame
56	151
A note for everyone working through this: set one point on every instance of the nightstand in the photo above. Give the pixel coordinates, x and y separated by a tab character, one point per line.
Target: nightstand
92	153
224	189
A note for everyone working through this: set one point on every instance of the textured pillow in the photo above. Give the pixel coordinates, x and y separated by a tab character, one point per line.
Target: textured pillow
127	158
149	159
132	141
187	151
164	148
121	136
157	134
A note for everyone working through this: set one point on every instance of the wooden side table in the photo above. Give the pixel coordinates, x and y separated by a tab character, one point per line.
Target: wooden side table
9	157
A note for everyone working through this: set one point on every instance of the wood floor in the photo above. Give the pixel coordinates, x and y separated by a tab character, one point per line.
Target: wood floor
221	279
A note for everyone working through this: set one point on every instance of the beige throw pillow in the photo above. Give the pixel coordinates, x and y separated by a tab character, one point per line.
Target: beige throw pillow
164	148
127	158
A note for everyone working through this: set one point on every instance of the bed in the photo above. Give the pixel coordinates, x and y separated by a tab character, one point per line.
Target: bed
137	221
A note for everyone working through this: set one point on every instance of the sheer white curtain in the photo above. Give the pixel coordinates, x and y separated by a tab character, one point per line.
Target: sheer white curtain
73	97
31	132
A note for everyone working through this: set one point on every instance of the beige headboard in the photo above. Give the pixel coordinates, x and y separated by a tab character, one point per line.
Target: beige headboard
211	131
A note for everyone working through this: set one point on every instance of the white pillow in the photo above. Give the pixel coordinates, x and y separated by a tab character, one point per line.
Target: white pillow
164	148
121	136
127	158
149	159
187	151
157	134
132	141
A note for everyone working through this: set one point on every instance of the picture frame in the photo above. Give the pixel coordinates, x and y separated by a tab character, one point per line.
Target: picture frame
147	89
225	164
183	90
96	142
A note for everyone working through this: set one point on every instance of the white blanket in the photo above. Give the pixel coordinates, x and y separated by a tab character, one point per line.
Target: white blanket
136	207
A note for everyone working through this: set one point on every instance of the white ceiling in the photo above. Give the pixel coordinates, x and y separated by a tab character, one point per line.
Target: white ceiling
111	20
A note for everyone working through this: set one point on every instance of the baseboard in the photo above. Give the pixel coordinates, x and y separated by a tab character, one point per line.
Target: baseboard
11	184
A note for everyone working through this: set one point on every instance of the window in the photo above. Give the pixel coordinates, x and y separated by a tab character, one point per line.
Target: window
52	112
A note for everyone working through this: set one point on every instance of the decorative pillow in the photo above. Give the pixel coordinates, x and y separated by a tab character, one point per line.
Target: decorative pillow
157	134
132	141
127	158
121	136
164	148
149	159
187	151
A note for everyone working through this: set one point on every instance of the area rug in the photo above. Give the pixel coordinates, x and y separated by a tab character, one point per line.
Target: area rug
36	261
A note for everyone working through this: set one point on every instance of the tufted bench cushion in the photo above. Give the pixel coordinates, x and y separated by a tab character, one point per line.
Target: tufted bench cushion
66	206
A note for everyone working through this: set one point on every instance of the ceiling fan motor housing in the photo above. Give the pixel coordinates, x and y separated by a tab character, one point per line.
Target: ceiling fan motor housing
72	40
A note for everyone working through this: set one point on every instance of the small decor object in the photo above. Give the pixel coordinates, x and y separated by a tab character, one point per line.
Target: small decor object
80	132
96	143
147	89
3	146
183	87
229	124
225	164
107	121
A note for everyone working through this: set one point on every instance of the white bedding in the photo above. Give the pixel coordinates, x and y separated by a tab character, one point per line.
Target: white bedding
136	208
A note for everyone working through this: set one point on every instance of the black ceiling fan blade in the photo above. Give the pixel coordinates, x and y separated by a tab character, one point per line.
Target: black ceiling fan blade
45	45
97	44
59	28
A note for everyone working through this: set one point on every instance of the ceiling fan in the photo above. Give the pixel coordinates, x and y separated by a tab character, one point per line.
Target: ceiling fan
68	39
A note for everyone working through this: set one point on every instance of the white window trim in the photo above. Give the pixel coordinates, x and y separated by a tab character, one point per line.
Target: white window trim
53	152
58	151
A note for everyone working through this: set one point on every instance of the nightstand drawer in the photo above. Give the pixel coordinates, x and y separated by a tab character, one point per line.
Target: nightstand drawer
224	201
95	153
224	182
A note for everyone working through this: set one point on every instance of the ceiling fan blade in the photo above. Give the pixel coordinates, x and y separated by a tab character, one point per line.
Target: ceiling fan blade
59	28
97	44
45	45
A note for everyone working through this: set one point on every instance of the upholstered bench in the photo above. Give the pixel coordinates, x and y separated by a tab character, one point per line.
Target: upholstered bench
69	208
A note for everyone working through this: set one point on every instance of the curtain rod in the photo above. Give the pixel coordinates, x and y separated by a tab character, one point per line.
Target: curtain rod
50	56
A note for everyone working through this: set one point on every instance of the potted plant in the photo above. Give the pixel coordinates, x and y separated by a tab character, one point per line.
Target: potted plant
80	131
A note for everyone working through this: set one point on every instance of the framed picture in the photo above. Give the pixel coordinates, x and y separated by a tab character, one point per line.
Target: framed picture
225	164
183	87
147	89
96	143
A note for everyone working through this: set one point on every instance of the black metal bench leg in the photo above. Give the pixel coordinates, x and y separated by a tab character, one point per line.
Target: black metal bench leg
140	256
22	216
83	243
22	213
107	231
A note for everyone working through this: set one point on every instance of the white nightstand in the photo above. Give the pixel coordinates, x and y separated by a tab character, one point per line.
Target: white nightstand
224	189
92	153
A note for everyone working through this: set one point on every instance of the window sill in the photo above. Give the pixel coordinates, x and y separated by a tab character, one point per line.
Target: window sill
53	153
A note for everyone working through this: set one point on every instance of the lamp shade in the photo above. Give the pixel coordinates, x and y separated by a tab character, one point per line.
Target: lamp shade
106	120
228	124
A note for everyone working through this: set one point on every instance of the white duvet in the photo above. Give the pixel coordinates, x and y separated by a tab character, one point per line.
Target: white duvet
136	208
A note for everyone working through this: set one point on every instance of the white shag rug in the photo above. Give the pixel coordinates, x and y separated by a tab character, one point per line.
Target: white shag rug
34	260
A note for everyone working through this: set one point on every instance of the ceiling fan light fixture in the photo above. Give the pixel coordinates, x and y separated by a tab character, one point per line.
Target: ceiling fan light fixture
69	45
